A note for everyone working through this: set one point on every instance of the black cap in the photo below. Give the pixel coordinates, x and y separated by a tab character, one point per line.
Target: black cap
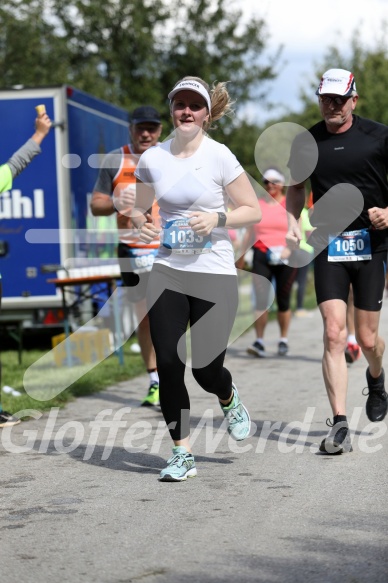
145	113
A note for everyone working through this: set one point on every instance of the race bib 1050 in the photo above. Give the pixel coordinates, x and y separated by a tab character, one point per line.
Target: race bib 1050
350	246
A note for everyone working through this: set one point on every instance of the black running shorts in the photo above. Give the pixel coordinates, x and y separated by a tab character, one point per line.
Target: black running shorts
136	284
333	279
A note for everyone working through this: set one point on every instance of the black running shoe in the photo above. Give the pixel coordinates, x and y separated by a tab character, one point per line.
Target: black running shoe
6	419
338	441
377	401
282	348
257	349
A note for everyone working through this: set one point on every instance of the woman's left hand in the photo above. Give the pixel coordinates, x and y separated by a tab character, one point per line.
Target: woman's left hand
286	252
203	223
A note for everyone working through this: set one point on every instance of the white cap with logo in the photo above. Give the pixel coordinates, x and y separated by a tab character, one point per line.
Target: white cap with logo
337	82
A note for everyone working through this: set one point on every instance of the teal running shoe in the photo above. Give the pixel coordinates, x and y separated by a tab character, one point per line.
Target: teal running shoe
152	398
237	416
180	466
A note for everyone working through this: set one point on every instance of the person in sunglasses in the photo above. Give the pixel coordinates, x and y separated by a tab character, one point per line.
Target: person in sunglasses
115	188
271	262
349	184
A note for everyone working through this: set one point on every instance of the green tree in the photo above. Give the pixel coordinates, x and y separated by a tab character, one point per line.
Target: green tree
112	47
31	51
209	40
132	52
242	141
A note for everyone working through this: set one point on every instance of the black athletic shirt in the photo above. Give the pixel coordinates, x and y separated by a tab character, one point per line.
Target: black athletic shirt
359	157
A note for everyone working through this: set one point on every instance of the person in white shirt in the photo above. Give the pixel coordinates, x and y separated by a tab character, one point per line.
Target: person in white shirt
193	281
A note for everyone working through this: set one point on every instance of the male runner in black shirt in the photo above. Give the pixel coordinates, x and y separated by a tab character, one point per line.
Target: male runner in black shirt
348	180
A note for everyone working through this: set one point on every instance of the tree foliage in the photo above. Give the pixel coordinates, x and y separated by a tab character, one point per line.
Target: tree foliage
131	52
208	40
31	52
111	47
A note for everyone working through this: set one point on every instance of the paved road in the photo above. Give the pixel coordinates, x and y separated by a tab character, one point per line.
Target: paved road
83	503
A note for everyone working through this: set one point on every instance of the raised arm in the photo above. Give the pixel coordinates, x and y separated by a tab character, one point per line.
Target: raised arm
22	157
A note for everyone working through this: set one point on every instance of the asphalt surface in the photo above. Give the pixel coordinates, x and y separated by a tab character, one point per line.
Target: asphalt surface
81	500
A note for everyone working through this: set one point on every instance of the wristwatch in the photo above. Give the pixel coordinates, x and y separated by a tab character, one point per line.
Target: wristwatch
221	220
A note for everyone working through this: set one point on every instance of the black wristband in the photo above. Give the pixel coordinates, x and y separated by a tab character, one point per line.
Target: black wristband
221	220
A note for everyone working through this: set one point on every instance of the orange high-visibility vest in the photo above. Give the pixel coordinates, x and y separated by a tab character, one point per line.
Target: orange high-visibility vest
124	177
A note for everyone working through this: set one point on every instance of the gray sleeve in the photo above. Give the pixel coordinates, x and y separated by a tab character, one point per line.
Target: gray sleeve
22	157
108	170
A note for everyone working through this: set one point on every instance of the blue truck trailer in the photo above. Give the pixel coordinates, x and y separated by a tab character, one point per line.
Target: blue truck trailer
53	192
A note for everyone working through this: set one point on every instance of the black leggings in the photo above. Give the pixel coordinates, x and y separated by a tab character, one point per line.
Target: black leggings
208	304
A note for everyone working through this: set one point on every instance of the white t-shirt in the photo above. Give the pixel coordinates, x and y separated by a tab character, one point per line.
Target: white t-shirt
184	185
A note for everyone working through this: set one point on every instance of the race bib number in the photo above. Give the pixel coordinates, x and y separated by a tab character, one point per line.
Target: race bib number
350	246
179	237
141	260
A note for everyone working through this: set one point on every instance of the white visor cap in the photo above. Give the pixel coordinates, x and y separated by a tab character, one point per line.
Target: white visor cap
191	85
273	175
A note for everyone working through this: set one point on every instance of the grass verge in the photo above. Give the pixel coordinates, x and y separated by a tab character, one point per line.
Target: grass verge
106	373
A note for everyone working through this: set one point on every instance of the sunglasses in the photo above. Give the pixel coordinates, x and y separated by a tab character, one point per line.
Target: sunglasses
327	100
146	127
271	182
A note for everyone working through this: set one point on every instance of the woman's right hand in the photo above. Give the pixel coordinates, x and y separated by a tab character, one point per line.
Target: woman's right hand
149	231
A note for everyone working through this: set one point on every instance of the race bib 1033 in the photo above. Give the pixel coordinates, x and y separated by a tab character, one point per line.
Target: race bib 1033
179	237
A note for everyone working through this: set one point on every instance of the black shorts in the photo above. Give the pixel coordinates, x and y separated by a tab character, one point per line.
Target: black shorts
136	283
333	279
284	276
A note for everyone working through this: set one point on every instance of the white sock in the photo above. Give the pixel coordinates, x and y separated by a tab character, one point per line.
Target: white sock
154	377
352	339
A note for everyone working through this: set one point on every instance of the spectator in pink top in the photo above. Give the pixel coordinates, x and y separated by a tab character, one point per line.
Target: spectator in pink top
270	261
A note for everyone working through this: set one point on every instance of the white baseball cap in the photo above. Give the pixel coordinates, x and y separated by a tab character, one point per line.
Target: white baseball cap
273	175
337	82
191	85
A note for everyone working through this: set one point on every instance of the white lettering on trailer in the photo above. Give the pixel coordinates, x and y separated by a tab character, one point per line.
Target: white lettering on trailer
39	203
15	206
